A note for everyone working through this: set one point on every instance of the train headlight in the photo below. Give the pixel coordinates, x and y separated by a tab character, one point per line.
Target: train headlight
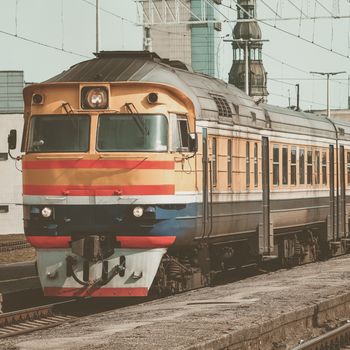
94	97
138	212
46	212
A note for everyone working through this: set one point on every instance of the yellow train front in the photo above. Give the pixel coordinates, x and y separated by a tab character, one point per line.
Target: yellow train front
103	164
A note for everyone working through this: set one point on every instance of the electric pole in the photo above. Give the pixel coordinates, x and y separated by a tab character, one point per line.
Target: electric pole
328	74
97	27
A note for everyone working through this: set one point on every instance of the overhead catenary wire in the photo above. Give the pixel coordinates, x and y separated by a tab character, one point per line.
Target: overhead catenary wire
43	44
290	33
303	100
325	8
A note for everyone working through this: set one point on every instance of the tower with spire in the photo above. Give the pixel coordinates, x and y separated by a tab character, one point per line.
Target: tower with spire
247	53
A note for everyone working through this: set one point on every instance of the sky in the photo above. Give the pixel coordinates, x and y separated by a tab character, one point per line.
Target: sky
70	25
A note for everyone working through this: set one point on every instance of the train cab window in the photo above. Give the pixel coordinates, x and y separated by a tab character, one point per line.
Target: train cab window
229	163
256	178
285	165
348	166
214	161
132	132
293	166
183	130
247	164
324	168
59	133
301	166
276	165
317	168
309	168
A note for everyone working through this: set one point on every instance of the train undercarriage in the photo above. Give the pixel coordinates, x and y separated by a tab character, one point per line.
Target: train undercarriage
209	261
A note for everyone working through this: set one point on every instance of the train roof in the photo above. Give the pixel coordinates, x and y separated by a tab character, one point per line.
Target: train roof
214	99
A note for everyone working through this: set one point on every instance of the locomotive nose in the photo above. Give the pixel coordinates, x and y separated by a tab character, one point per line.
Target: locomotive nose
94	247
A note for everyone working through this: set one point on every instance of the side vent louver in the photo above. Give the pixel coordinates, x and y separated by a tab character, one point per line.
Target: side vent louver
341	131
222	105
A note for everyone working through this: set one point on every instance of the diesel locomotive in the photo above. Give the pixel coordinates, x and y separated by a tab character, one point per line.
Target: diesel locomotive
139	173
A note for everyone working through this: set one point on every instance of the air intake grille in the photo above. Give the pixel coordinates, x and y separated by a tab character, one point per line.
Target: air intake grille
223	106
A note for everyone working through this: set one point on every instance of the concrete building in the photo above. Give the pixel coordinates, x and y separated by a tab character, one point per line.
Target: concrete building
168	34
11	117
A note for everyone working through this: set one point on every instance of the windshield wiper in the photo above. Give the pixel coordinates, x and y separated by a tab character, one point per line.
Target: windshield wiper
140	122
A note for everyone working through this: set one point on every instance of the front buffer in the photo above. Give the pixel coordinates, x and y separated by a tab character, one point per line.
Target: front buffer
81	270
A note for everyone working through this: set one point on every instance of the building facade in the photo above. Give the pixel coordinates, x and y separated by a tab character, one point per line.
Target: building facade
11	117
191	43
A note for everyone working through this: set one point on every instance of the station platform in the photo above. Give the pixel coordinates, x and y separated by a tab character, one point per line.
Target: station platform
271	311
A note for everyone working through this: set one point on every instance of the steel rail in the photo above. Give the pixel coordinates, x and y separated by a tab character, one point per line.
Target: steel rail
15	245
336	339
32	319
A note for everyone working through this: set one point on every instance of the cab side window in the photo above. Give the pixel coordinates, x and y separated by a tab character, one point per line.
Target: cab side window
180	133
183	132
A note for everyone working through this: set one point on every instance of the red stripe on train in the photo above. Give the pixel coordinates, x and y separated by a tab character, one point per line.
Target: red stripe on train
135	242
99	164
101	292
99	190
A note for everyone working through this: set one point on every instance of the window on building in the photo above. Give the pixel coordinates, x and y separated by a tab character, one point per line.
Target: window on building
238	54
324	168
229	163
247	165
309	168
4	209
256	178
293	166
214	161
301	166
285	165
276	166
317	168
4	156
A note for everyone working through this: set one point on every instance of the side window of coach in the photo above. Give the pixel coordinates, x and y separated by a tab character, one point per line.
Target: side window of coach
348	166
309	168
247	164
229	163
324	168
256	169
214	161
285	165
293	166
276	165
301	166
317	168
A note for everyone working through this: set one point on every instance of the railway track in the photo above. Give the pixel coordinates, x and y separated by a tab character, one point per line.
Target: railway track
13	245
337	339
36	318
46	316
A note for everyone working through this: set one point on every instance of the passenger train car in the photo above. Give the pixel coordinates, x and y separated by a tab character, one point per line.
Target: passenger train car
139	173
